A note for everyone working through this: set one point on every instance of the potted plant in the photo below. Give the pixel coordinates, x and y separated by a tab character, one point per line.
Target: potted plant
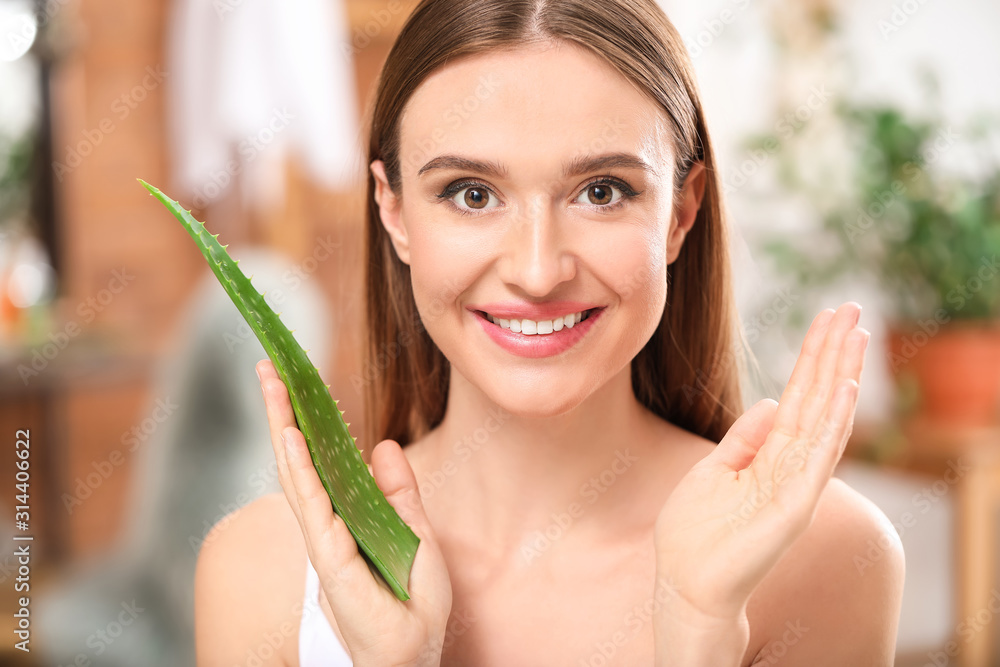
930	239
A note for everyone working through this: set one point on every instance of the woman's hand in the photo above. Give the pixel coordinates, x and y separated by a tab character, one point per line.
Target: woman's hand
377	627
738	510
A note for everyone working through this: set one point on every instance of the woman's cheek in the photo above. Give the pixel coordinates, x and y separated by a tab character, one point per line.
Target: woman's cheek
641	290
632	263
441	269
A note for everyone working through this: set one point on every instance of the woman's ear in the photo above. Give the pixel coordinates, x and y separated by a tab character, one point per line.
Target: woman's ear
389	211
686	209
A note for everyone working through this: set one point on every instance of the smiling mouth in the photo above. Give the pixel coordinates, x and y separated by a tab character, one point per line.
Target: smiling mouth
538	327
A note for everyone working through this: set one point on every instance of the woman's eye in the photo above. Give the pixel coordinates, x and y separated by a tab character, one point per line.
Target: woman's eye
475	197
600	194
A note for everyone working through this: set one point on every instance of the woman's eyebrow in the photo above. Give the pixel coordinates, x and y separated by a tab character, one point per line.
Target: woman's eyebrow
578	166
588	163
494	169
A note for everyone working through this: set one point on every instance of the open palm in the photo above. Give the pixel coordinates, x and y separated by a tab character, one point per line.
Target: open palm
738	510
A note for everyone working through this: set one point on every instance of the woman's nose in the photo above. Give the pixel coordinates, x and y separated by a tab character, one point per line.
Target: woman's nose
536	255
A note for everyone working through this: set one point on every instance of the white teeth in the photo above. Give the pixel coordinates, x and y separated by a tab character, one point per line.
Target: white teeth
532	327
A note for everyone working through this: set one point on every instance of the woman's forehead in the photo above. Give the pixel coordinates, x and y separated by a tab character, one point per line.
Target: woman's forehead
531	105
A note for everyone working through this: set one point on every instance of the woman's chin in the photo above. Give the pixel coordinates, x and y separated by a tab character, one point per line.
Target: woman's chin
537	404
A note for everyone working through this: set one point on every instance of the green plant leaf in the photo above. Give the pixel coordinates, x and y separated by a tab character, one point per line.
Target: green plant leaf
384	539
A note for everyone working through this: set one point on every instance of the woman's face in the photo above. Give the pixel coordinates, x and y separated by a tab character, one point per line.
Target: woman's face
536	184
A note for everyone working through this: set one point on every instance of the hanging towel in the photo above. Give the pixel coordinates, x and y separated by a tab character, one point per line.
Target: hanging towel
250	81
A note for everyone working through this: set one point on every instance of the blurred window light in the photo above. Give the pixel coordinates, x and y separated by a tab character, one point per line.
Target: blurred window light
31	279
29	284
18	29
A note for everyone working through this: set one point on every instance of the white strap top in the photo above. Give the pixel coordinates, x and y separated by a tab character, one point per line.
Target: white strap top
318	643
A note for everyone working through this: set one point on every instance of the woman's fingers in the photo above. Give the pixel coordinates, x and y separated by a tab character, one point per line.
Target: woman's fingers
331	547
395	478
800	457
838	424
852	361
817	398
810	463
786	419
280	416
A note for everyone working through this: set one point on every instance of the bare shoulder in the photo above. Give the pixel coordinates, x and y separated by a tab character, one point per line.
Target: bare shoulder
249	585
843	578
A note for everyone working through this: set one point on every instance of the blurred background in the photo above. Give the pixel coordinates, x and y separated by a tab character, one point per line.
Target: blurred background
858	146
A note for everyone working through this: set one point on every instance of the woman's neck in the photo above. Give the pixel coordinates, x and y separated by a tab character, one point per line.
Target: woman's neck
507	482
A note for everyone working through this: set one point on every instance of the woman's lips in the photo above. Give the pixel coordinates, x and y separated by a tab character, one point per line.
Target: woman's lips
539	345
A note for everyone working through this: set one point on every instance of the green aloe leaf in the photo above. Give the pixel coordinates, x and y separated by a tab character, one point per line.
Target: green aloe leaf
384	539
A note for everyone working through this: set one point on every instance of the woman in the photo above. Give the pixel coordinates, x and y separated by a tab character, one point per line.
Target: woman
558	412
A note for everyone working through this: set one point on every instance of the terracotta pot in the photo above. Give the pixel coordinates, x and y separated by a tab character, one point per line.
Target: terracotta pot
955	366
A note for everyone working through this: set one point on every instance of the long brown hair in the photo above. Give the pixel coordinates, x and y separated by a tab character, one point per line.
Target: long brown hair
689	371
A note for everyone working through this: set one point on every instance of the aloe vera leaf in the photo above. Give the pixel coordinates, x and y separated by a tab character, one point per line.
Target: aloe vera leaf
383	537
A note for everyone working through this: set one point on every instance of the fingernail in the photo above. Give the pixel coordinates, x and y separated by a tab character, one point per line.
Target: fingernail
258	373
286	442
